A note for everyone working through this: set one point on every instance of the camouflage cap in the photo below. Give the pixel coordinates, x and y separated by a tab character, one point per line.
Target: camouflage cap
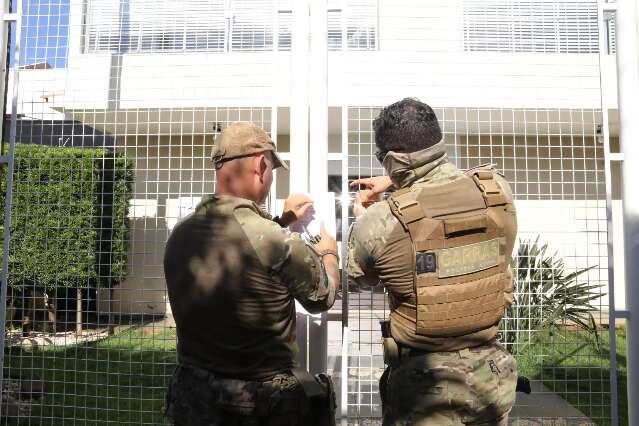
242	139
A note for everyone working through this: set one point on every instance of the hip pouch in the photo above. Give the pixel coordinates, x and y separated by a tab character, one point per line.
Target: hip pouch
320	394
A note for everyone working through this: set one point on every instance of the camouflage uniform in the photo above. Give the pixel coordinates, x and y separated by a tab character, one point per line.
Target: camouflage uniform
438	380
469	387
233	276
219	401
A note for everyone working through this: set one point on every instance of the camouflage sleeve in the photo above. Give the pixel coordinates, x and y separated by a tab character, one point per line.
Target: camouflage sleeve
360	263
288	257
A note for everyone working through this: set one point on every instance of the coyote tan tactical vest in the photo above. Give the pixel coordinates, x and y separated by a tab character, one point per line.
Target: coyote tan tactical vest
460	261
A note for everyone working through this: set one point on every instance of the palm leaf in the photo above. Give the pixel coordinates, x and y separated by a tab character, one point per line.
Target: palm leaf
546	298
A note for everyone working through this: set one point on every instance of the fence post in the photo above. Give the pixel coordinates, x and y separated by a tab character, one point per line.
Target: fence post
628	94
318	150
5	19
299	97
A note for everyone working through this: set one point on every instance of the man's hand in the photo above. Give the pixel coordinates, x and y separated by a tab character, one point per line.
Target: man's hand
363	200
326	243
295	207
376	185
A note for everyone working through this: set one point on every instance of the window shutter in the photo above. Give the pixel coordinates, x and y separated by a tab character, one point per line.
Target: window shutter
217	26
102	29
252	26
544	26
361	24
611	32
155	25
284	24
205	25
335	17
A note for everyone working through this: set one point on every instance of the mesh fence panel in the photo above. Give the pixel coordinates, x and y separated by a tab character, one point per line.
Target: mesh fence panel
471	62
117	107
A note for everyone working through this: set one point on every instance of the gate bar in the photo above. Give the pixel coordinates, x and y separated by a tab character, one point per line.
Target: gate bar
4	42
345	203
628	95
318	151
299	97
608	158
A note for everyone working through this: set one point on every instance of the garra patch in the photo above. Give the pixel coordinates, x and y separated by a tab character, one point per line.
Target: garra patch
468	259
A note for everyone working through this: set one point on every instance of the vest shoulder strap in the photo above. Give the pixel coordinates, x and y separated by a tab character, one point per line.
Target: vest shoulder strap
488	186
406	209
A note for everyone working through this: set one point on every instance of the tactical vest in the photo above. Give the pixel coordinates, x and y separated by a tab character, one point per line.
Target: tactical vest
460	261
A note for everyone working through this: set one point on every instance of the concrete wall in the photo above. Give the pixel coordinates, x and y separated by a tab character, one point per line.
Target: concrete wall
170	175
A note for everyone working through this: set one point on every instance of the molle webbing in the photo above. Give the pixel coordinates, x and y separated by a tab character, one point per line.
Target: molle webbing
464	293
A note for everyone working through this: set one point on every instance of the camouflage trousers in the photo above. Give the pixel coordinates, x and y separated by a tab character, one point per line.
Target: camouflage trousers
196	397
469	387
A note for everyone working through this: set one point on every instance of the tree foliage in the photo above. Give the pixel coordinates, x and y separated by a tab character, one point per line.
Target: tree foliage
69	217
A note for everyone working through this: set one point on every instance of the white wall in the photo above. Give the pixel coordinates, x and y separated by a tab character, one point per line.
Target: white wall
167	171
420	54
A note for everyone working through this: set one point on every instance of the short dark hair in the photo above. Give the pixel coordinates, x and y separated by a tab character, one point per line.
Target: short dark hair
406	126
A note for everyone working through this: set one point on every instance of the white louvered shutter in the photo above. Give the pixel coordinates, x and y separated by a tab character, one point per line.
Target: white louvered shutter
205	25
252	25
284	24
102	28
611	32
361	24
533	26
335	17
155	25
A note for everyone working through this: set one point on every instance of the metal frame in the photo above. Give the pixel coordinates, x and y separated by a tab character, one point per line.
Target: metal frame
345	326
613	313
628	104
7	19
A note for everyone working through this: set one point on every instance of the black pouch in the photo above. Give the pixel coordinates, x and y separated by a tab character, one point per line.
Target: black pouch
326	405
320	394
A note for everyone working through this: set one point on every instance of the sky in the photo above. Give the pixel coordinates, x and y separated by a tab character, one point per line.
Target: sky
45	30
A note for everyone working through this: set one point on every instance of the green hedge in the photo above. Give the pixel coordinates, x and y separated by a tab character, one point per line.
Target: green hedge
69	216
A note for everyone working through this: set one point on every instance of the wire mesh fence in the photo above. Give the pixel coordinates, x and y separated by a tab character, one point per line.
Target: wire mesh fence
116	107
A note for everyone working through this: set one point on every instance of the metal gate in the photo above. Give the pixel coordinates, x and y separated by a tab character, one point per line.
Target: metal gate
111	111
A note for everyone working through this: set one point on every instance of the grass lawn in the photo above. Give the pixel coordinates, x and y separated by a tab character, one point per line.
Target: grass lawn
570	364
122	380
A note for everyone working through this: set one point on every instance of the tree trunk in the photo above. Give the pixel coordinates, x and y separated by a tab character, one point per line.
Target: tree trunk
11	311
27	322
78	312
111	316
52	307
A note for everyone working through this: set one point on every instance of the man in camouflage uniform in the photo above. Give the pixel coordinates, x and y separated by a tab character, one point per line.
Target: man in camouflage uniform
442	247
233	274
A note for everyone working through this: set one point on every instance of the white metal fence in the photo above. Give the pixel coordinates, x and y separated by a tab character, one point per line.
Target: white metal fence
516	84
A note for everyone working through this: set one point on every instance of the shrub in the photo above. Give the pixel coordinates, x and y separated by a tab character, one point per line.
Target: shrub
69	223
